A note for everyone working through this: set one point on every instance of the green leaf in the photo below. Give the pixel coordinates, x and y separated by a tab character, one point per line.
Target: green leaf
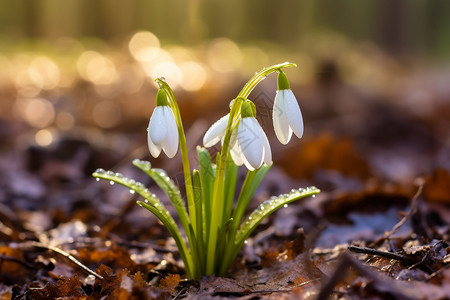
251	182
253	220
174	232
161	178
154	205
231	173
135	187
268	207
199	222
170	189
207	174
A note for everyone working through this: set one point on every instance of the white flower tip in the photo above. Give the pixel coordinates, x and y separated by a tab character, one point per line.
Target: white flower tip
154	150
215	133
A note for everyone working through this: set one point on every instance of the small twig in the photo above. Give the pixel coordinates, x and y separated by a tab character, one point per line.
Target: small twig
411	212
390	255
68	256
438	272
346	261
434	249
250	292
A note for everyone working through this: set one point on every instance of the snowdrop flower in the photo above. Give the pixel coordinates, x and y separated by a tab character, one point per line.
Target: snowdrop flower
251	146
287	117
162	128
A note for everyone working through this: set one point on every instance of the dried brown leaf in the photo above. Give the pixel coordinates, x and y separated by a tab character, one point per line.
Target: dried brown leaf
108	285
437	187
170	282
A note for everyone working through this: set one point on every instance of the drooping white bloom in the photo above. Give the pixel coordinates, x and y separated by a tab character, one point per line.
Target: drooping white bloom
253	148
249	145
162	129
287	117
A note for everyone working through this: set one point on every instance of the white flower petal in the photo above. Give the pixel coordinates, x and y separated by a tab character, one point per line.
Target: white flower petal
215	133
266	147
293	113
156	127
250	143
154	149
280	120
170	142
234	150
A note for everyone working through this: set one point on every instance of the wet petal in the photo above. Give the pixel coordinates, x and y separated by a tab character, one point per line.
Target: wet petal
157	126
266	146
215	133
234	150
250	143
293	113
170	143
154	149
280	119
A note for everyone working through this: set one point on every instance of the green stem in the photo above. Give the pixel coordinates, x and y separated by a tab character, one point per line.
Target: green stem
183	148
218	194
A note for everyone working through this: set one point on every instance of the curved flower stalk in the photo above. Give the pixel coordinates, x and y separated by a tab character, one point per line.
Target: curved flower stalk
213	225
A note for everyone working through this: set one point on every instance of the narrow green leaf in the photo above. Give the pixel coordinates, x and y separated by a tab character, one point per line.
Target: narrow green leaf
135	187
207	174
161	178
231	173
174	232
170	189
251	182
268	207
154	205
253	220
222	243
199	221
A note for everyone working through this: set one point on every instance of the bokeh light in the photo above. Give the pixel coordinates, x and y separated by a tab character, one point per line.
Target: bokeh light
144	46
37	112
223	55
97	68
44	137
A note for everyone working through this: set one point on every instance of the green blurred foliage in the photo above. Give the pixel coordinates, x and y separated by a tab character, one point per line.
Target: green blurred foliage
402	27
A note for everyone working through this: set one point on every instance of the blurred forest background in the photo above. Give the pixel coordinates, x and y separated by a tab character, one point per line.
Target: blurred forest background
375	72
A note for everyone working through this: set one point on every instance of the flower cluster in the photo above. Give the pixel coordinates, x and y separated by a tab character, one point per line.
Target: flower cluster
212	219
249	145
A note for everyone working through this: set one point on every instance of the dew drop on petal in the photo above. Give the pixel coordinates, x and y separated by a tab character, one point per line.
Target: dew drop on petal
132	191
111	182
245	242
285	205
97	179
314	196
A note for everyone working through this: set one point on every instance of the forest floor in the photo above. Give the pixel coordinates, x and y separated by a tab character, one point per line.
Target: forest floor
378	230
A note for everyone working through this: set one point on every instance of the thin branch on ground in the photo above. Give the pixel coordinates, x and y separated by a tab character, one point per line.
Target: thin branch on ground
68	256
385	254
405	218
345	263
